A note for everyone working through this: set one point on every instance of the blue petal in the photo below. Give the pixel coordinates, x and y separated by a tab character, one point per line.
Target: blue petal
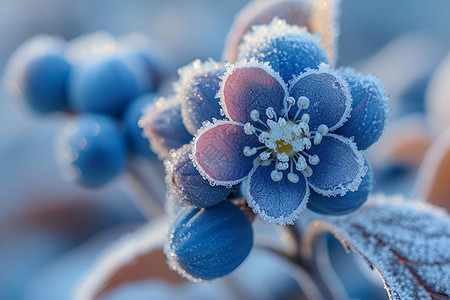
276	202
209	243
340	205
163	126
341	166
196	90
289	49
329	96
369	108
187	185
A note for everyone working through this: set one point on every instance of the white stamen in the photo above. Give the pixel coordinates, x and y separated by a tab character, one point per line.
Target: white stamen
322	129
313	159
303	102
317	139
276	176
307	171
306	143
270	113
301	164
249	129
282	122
290	101
254	115
249	151
283	166
293	177
264	155
283	157
305	118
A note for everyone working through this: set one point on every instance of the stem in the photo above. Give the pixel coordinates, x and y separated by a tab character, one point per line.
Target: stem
314	274
146	187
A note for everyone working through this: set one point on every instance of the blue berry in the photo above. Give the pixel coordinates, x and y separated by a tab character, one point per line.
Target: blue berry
105	86
138	143
209	243
92	149
341	205
40	70
185	183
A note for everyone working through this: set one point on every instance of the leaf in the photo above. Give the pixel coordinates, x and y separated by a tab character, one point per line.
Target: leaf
433	179
135	257
407	243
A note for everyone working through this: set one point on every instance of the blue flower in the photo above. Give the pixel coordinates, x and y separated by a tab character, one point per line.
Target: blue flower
279	139
295	128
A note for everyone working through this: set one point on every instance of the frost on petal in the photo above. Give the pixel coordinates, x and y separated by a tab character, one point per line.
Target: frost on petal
249	86
135	257
186	184
218	152
288	49
341	167
329	96
369	108
341	205
278	202
406	242
196	90
163	126
433	179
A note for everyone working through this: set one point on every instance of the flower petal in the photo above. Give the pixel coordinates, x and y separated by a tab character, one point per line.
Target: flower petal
196	89
289	49
218	152
340	205
341	167
329	96
248	86
278	202
369	108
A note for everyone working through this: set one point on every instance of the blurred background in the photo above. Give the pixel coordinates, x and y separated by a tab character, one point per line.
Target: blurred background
52	231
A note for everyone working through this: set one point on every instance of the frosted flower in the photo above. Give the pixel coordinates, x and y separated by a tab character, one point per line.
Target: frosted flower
280	139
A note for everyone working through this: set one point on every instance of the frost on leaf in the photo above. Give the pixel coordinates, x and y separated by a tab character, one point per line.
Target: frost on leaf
407	243
138	256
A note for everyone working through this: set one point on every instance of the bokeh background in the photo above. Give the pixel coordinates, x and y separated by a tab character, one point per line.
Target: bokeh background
51	231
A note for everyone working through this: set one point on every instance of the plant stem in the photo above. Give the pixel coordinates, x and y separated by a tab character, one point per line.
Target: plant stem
146	187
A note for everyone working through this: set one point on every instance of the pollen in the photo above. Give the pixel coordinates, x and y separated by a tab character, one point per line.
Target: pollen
285	140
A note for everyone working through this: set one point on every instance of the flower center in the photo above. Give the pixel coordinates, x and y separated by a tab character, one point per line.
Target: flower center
284	147
285	140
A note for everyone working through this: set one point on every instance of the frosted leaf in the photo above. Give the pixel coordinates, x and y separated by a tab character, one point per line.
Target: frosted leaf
135	257
432	181
406	242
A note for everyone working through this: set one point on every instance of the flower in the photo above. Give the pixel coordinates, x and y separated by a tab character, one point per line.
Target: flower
279	139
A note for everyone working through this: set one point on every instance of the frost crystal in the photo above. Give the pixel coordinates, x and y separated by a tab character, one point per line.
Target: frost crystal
407	242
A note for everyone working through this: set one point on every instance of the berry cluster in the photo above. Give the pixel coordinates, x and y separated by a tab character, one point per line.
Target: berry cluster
106	82
280	128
